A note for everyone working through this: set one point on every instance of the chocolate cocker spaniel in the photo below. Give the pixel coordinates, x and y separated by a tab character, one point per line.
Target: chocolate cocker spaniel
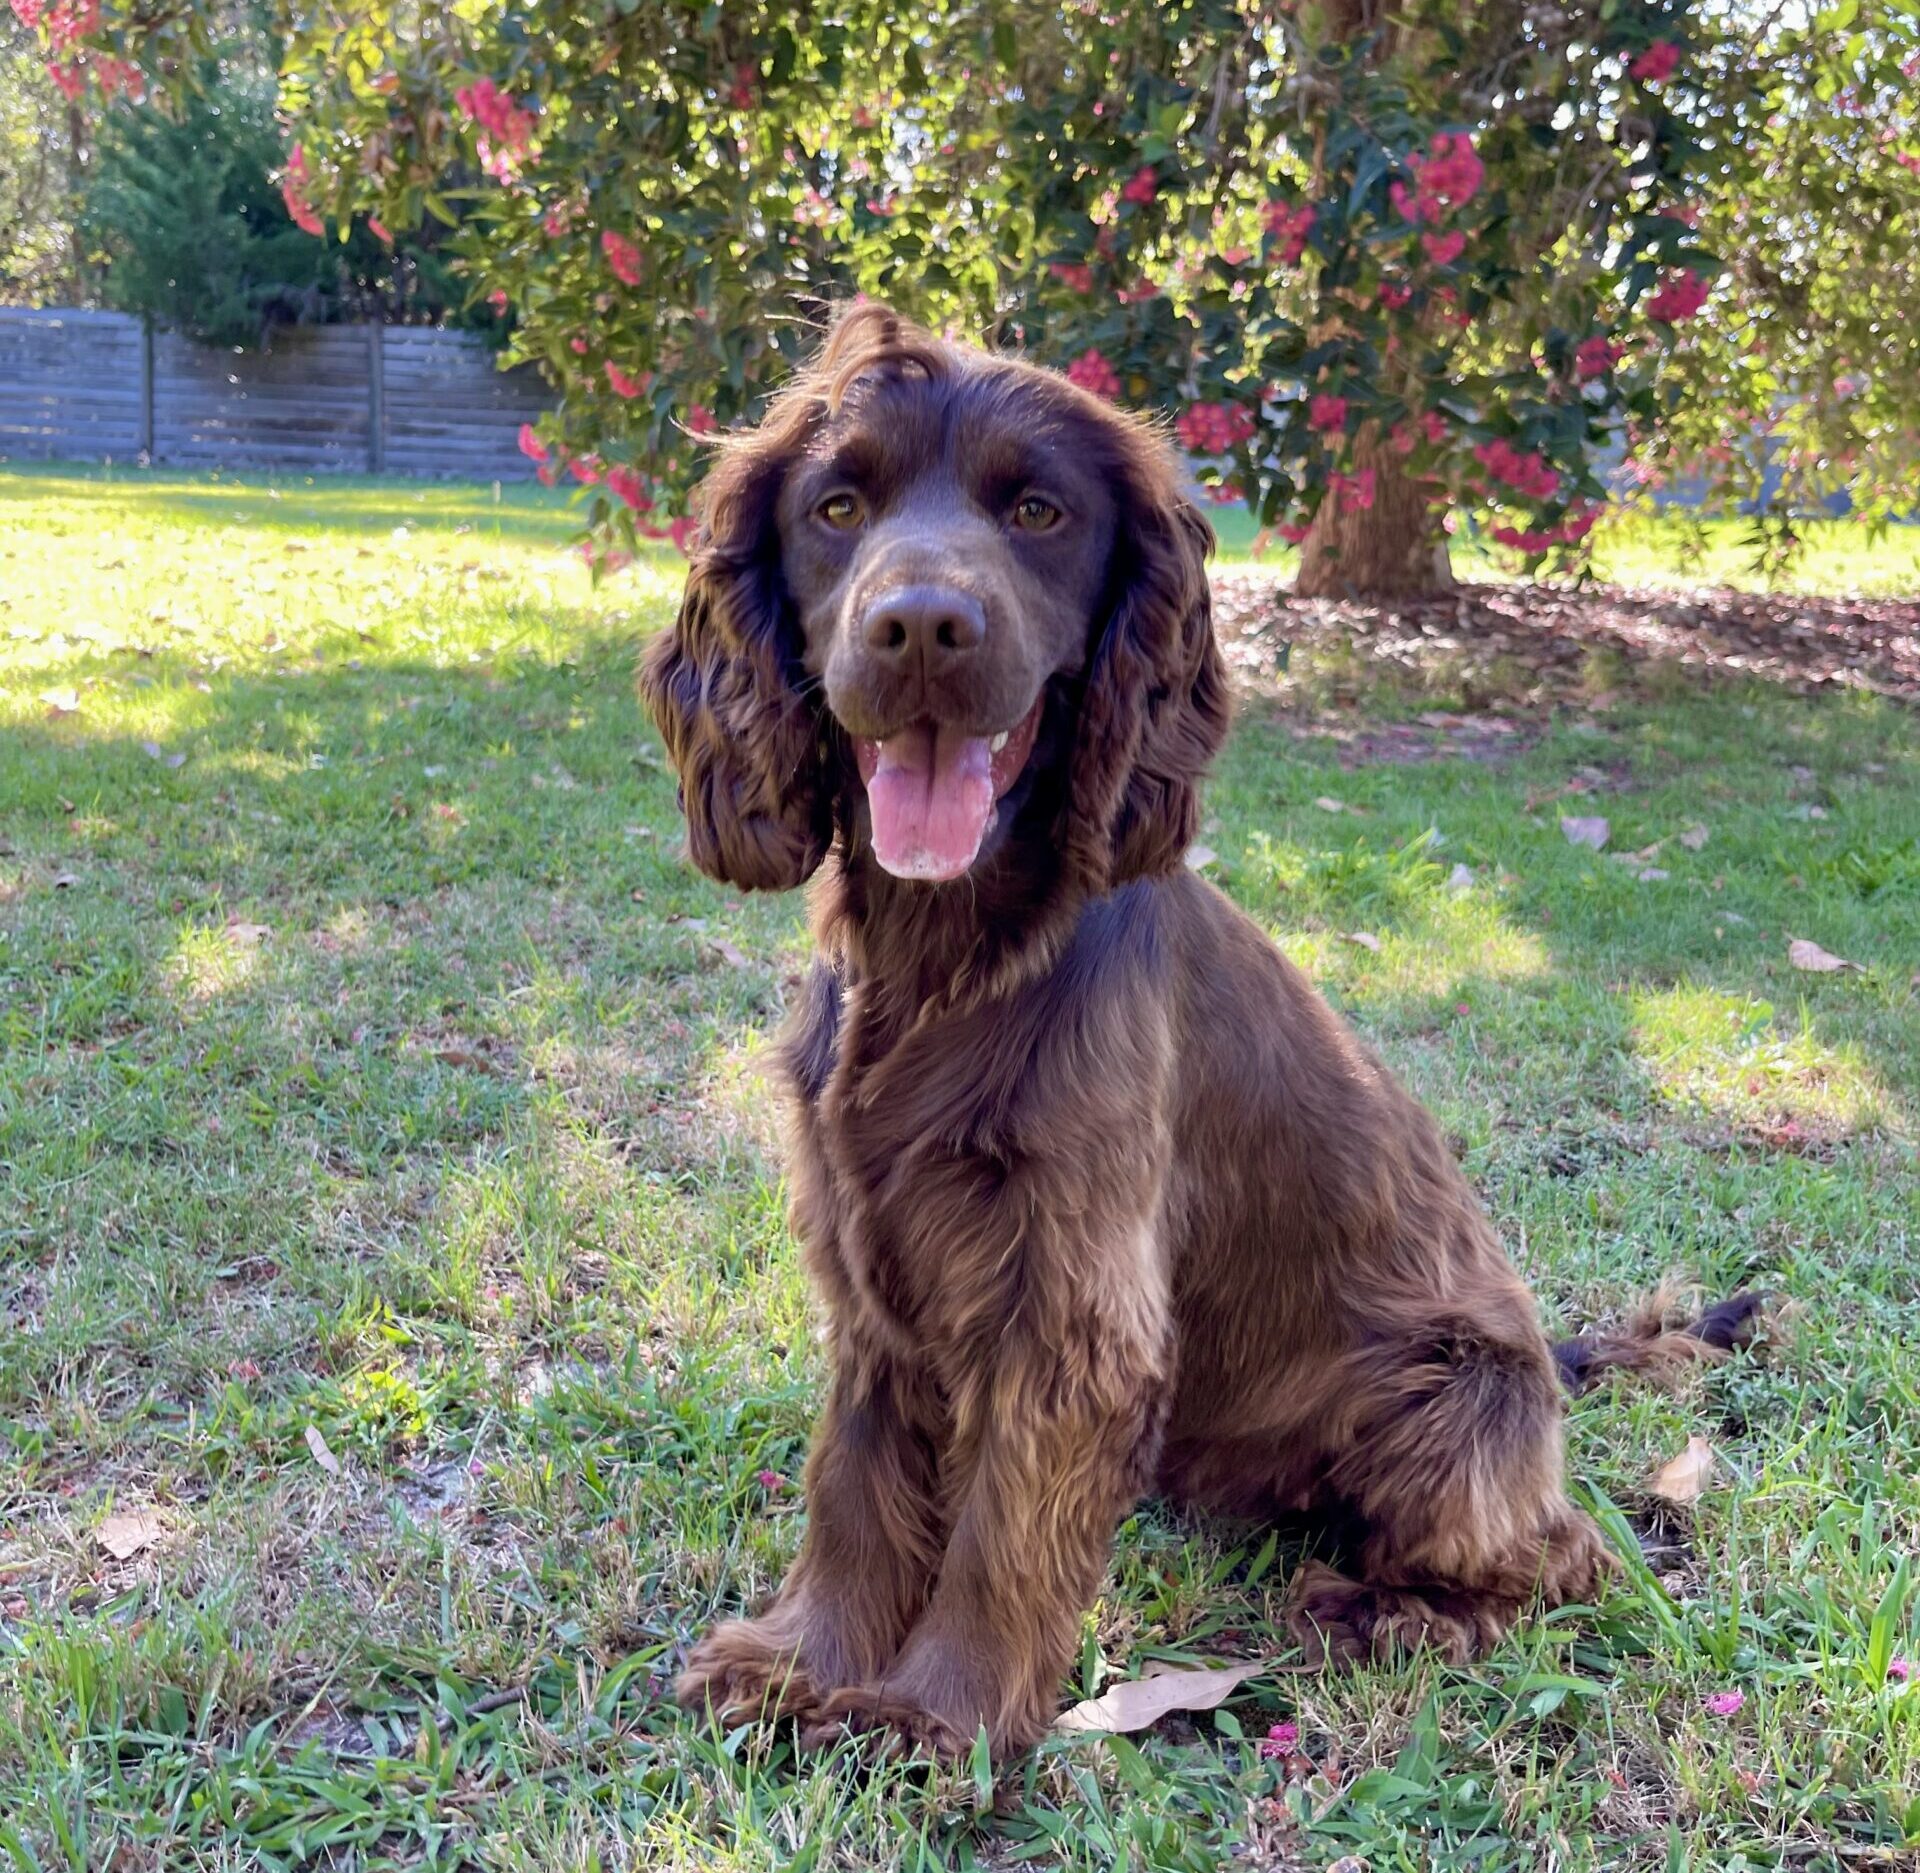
1101	1197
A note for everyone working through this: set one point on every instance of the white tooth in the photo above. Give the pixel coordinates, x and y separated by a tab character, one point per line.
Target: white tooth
999	741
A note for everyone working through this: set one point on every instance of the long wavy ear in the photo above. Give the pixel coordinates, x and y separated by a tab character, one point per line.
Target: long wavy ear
725	688
1156	705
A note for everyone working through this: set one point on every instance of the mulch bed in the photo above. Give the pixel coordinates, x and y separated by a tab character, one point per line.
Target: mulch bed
1487	633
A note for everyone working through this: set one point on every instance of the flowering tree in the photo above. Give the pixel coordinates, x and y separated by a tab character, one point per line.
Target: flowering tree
1380	265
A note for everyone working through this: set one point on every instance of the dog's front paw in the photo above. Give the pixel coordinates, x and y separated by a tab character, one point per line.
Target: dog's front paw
745	1669
891	1723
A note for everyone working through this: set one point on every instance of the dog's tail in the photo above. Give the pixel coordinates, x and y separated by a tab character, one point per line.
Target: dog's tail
1659	1340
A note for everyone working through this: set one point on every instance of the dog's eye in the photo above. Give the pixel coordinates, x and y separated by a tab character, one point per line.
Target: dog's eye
1035	515
843	511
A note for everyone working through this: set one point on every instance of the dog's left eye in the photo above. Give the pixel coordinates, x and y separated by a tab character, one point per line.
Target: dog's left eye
1035	515
842	512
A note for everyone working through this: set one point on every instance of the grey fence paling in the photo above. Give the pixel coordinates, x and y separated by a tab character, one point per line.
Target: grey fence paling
399	399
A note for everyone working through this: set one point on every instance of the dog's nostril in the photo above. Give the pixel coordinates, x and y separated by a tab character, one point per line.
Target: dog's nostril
889	634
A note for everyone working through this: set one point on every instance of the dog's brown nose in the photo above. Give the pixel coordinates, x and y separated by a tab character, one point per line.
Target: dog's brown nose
927	625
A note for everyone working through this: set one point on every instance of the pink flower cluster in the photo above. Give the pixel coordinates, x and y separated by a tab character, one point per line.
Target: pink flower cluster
1570	531
622	256
1213	428
1290	226
1073	274
1444	249
1525	472
623	384
1091	371
508	127
1394	296
67	21
1355	490
1449	178
293	191
1327	413
1141	187
1595	357
628	485
1656	64
530	444
1679	297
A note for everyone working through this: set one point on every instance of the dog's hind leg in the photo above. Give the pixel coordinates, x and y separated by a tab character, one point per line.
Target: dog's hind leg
1445	1443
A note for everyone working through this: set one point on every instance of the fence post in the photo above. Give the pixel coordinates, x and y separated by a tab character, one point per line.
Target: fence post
146	387
376	399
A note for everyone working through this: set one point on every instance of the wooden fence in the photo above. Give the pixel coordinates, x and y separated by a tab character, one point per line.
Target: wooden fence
393	399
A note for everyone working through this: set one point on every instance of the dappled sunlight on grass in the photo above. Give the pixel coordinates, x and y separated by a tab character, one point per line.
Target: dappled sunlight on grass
210	960
1734	1055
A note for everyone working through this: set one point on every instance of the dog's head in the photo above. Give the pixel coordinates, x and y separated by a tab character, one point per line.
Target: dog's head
938	593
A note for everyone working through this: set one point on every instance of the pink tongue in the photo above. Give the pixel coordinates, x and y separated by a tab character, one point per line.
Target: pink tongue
931	796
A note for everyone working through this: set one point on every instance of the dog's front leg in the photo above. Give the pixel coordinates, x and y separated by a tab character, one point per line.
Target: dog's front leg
864	1571
1055	1436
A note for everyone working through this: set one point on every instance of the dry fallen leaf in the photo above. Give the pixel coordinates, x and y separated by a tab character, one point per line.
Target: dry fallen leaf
1199	857
1694	838
61	701
123	1536
248	935
1681	1479
1139	1702
1811	957
1585	829
321	1454
1460	879
1328	804
1652	874
731	953
65	880
1366	939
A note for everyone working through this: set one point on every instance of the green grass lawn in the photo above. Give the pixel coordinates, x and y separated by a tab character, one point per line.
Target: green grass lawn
393	1221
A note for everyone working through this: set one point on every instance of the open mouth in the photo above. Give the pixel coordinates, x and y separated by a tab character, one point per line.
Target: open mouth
932	789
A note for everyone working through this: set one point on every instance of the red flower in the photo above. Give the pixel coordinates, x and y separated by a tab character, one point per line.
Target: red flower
1451	177
700	420
1293	531
1444	249
378	229
1141	186
530	444
1234	256
1529	473
1435	426
1091	371
585	468
1656	64
1213	428
68	22
1393	296
740	96
1680	296
497	299
1142	289
1595	357
1353	490
771	1481
71	81
29	12
577	345
629	485
1073	274
683	532
1327	412
622	256
882	205
1284	1738
623	385
1290	226
117	75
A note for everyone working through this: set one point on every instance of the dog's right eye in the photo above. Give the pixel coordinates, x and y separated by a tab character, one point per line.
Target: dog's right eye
842	511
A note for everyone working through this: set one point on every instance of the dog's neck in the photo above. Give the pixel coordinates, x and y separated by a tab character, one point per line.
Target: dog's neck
913	946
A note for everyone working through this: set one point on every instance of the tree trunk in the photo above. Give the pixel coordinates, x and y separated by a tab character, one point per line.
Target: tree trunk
1394	549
